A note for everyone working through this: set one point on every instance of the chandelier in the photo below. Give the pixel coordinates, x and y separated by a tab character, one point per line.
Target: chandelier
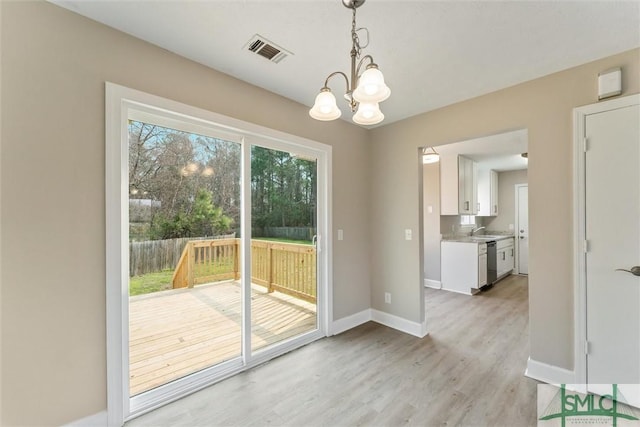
364	91
430	155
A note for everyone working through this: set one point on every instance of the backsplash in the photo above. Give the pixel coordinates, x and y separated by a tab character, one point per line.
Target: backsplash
451	228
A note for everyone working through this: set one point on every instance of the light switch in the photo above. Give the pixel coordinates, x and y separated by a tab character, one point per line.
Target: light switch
429	209
340	234
407	234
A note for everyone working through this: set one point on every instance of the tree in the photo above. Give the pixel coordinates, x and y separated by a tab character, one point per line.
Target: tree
168	169
203	220
206	219
283	189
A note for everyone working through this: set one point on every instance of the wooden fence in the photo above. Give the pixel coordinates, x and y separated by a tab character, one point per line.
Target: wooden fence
157	255
285	267
293	233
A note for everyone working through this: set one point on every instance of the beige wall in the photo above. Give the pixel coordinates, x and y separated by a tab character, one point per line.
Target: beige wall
544	107
431	221
506	200
54	66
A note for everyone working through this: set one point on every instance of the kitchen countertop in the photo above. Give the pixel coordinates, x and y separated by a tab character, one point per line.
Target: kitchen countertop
478	239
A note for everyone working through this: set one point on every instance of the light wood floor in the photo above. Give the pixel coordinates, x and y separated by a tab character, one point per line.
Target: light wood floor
179	332
468	371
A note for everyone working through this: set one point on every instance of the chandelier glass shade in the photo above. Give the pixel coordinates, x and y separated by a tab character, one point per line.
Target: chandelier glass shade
371	86
364	91
368	113
325	107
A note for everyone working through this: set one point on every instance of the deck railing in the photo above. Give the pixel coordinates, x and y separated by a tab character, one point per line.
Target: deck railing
285	267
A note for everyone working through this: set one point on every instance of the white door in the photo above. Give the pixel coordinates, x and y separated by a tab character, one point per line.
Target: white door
522	221
612	228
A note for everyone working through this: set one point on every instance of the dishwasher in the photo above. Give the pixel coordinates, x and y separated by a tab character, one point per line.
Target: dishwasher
492	263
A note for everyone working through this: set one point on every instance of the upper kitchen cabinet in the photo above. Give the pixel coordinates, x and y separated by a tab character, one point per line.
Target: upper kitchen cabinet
458	186
487	192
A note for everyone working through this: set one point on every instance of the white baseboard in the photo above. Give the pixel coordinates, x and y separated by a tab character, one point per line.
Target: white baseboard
435	284
549	374
341	325
412	328
95	420
403	325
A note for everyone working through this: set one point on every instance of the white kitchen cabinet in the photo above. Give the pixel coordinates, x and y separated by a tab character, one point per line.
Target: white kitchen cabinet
463	266
467	186
505	254
458	186
487	192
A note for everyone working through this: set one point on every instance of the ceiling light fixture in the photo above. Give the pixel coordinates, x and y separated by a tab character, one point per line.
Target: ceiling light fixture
430	157
364	91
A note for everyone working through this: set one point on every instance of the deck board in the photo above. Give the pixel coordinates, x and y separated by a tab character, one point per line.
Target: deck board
178	332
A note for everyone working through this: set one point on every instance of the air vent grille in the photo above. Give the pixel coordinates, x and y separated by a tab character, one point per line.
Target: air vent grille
266	49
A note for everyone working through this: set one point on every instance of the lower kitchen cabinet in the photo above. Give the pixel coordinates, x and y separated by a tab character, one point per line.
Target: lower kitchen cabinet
505	254
463	266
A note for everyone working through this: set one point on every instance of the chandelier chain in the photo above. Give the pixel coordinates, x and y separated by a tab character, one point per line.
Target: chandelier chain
354	35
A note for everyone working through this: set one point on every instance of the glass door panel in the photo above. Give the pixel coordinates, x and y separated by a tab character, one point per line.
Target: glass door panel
283	246
185	310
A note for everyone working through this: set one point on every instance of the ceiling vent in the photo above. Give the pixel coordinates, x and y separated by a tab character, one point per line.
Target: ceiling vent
266	49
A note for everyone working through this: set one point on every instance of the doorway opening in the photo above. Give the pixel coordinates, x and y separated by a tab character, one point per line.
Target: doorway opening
469	196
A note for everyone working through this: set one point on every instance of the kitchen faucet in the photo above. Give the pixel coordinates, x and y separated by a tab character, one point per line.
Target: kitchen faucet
477	229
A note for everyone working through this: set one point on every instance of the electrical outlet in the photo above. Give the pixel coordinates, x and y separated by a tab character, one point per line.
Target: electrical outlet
407	234
387	297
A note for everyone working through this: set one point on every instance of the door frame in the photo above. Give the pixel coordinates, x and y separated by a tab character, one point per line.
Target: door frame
119	101
517	224
580	246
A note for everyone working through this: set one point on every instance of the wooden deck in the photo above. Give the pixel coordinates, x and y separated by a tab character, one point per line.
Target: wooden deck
178	332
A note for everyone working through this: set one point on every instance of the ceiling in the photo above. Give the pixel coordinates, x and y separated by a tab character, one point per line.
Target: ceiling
500	152
432	53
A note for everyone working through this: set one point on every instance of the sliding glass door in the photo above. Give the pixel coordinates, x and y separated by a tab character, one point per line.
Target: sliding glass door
185	311
214	248
283	246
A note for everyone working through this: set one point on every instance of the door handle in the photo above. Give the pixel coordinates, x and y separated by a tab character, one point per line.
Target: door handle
466	206
635	270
